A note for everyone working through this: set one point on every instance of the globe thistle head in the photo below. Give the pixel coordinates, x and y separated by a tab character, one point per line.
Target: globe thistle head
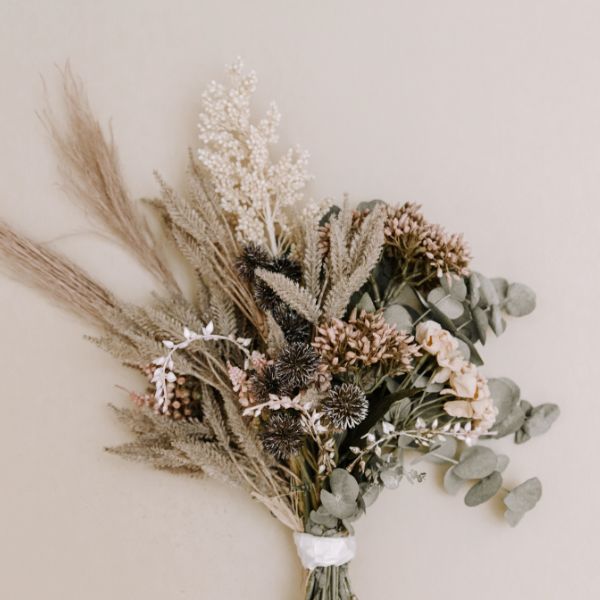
265	297
345	406
267	382
283	435
253	257
298	364
295	328
288	267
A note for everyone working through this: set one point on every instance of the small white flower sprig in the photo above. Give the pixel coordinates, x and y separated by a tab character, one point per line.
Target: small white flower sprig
164	373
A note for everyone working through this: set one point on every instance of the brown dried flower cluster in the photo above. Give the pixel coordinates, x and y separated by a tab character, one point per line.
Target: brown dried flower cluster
413	238
425	249
362	341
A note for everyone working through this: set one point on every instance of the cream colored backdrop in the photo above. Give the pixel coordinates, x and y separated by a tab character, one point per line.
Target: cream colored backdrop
486	112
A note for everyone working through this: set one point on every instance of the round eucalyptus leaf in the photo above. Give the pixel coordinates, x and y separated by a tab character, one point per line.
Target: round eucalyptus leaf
452	483
370	494
397	315
391	478
505	397
497	322
487	292
366	303
513	517
501	286
501	462
344	485
513	386
511	423
474	293
520	300
484	490
541	419
475	462
337	506
481	322
525	496
456	287
369	204
444	302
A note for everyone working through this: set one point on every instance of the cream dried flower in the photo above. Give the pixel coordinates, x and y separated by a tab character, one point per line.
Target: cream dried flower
255	190
362	341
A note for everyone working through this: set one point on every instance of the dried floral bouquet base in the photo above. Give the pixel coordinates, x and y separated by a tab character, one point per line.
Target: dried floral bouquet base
321	348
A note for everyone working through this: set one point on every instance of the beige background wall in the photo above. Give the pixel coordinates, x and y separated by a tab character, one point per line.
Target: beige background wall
486	112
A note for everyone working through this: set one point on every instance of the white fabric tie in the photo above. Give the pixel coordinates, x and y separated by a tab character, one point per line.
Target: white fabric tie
315	551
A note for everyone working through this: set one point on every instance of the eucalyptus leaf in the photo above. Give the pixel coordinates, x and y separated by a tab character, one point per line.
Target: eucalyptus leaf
322	517
370	204
366	303
337	506
476	462
391	384
501	286
513	518
391	478
399	410
474	293
501	462
370	494
451	307
452	483
497	322
505	396
456	287
484	490
396	314
344	485
511	423
475	357
541	419
520	300
525	496
487	292
481	322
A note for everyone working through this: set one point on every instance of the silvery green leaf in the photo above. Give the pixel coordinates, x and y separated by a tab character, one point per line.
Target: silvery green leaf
322	517
349	528
448	305
391	478
475	462
512	517
541	419
391	384
502	462
369	204
501	286
475	357
316	530
452	483
337	506
464	349
525	496
439	453
505	396
520	300
456	287
365	303
370	494
527	407
497	322
481	322
399	410
487	292
395	314
344	485
474	293
521	437
511	423
483	490
404	441
421	381
513	386
433	388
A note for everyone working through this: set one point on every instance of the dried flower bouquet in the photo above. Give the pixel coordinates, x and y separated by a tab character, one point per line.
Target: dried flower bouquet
321	348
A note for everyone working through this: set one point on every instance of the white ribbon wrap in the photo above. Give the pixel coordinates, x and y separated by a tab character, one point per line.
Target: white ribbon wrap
317	551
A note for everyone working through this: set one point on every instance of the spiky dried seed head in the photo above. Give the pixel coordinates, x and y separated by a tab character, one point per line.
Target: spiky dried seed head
298	364
253	257
346	406
295	328
283	435
267	382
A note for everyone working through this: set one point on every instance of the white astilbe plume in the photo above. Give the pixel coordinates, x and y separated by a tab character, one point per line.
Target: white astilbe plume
254	189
